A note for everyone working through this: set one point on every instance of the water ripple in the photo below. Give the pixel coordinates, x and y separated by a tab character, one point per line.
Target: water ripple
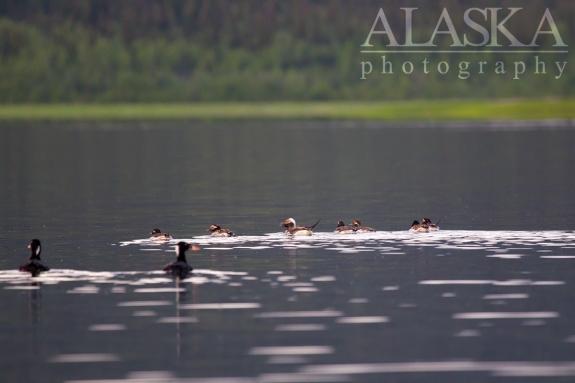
388	242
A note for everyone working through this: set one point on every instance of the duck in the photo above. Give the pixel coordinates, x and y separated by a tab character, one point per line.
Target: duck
157	235
34	265
293	229
416	227
430	226
342	229
360	228
180	267
217	231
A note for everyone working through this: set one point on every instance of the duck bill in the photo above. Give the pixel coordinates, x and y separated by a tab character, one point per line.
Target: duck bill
29	246
195	248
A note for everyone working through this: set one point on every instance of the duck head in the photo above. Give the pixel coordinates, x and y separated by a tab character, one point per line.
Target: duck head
214	227
36	248
182	247
289	223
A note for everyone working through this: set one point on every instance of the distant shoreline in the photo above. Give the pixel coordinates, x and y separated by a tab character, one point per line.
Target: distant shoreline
425	112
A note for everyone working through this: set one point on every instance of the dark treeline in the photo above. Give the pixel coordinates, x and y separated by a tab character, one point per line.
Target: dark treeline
225	50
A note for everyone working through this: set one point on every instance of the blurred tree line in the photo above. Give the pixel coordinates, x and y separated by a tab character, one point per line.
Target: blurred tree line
225	50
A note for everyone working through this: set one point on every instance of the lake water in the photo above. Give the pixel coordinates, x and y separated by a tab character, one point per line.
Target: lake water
489	297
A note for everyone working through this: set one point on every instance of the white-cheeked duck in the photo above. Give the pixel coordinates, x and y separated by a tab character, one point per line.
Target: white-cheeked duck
294	230
180	267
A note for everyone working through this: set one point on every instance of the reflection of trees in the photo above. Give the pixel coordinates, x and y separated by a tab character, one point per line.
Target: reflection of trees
35	303
35	310
180	296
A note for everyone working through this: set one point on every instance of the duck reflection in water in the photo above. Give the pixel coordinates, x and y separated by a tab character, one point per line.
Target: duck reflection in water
180	269
35	303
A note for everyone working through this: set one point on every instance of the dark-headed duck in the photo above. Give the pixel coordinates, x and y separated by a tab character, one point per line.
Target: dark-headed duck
293	229
360	228
416	227
34	266
342	229
217	231
157	235
180	267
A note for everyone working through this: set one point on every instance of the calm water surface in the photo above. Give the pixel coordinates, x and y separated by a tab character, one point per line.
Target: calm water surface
487	298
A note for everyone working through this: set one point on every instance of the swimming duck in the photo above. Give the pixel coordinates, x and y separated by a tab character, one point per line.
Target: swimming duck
180	267
293	229
342	229
217	231
157	235
360	228
34	266
416	227
431	226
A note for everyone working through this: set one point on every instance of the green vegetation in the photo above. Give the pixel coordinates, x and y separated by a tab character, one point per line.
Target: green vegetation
393	111
152	51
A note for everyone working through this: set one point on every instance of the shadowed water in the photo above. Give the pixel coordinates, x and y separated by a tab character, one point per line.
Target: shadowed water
486	298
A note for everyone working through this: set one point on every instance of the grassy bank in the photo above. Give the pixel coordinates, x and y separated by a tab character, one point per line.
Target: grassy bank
415	110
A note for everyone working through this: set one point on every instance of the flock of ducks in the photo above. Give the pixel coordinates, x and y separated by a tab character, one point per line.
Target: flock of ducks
180	267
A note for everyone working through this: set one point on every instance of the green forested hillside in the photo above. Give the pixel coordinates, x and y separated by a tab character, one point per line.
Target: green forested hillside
258	50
